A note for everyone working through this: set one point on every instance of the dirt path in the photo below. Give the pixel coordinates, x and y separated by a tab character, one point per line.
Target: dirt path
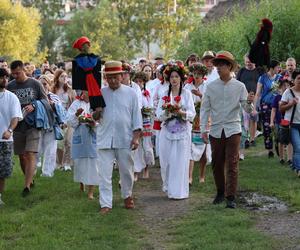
156	211
282	226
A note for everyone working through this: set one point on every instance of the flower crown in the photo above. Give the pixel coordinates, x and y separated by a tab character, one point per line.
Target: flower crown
175	67
198	67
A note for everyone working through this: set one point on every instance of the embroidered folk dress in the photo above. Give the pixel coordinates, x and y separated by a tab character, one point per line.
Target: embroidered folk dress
175	147
198	147
84	150
143	156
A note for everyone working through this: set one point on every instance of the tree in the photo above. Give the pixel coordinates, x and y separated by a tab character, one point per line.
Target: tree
50	11
229	33
19	31
165	22
101	25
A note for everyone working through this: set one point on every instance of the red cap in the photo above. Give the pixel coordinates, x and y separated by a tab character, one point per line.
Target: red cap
80	41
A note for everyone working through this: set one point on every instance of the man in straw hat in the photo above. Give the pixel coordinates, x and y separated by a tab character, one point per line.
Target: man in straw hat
119	133
207	59
222	102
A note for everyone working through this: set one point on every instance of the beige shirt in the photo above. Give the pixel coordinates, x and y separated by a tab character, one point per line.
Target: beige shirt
222	103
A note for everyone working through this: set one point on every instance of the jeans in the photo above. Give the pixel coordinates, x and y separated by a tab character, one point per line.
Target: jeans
295	139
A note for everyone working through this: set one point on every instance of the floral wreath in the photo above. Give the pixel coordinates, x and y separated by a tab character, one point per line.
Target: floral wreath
179	68
198	67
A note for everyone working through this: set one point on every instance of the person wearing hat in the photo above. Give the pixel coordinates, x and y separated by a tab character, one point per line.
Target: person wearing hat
222	103
86	73
212	73
127	80
118	134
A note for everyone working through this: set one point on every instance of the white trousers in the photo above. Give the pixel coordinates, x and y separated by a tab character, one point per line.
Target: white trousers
126	170
47	148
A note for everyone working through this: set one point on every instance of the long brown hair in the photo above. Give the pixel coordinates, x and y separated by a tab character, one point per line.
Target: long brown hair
57	74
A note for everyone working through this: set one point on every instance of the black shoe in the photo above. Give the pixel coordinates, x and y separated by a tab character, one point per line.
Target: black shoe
290	163
219	199
247	144
253	143
25	192
282	162
271	154
230	204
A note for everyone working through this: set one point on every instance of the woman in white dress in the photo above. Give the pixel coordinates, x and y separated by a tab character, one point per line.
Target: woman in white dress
144	156
199	150
83	150
176	110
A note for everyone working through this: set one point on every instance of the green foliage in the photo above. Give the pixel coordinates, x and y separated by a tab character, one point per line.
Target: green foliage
19	31
159	21
101	25
229	33
50	10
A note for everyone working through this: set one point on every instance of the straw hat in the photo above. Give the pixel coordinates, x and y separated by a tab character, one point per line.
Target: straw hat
225	56
113	67
208	55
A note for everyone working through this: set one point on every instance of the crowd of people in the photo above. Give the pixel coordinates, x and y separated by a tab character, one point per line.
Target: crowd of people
93	117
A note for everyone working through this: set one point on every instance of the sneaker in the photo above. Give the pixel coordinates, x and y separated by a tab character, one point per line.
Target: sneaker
282	161
253	143
218	199
247	144
25	192
1	202
231	204
258	133
67	168
271	154
242	157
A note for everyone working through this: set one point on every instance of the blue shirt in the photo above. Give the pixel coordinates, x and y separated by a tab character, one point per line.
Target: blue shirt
268	95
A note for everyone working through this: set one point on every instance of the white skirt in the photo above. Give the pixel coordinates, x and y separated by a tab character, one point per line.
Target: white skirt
198	150
86	171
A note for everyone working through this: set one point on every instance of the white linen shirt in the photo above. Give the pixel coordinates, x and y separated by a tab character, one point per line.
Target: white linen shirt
120	117
222	103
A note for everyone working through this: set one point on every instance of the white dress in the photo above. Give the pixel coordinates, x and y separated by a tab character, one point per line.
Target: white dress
197	149
158	94
143	156
175	148
85	169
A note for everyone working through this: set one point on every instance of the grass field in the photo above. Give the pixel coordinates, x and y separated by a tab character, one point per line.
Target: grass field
57	216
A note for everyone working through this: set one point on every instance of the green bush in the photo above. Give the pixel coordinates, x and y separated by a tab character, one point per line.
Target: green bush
229	33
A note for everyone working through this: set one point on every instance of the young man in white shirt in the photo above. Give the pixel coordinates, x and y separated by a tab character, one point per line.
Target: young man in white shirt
117	135
222	102
10	114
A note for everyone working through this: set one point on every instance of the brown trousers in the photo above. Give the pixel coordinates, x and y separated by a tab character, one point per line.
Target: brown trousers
225	157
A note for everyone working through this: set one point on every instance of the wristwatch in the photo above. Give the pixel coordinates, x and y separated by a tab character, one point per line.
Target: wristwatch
10	130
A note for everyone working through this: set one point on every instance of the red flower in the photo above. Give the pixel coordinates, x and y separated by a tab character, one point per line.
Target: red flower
166	99
146	93
177	99
204	78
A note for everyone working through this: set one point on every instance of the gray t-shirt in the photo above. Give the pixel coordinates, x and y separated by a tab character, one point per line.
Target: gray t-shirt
249	78
27	92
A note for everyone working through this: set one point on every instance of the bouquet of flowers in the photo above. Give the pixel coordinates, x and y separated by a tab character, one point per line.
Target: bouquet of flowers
147	111
87	120
197	107
275	87
172	109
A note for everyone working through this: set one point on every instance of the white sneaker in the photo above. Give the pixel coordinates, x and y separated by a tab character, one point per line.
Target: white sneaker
67	168
242	157
258	133
1	201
